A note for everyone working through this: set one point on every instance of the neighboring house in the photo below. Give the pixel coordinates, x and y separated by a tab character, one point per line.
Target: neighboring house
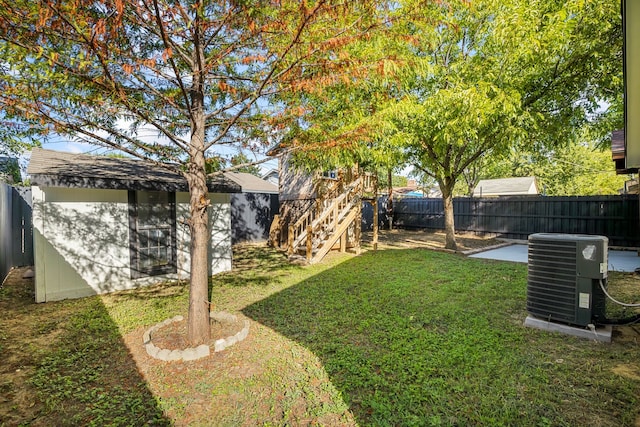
619	157
630	187
619	153
413	193
103	224
410	190
433	192
271	176
506	187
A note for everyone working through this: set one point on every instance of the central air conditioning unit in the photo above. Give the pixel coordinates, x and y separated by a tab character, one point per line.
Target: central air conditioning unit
565	273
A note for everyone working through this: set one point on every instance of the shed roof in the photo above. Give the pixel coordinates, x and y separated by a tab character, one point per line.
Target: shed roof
62	169
251	183
506	187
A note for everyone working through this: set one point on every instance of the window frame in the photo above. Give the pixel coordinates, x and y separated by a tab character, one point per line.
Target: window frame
134	242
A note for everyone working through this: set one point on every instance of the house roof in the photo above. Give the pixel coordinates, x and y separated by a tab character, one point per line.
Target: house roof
506	187
617	144
251	183
61	169
271	172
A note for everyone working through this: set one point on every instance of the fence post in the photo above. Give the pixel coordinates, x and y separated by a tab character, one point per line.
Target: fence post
375	222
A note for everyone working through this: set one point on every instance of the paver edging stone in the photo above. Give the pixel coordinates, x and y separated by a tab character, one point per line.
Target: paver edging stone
202	350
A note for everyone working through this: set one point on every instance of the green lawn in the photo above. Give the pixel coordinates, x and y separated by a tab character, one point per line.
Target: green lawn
394	337
414	337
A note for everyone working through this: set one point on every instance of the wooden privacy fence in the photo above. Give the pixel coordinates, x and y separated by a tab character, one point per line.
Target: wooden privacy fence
16	238
616	217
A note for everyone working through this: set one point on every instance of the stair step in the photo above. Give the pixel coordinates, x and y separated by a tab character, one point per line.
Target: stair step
342	205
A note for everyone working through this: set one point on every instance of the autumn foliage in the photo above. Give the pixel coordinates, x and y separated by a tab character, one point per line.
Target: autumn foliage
201	75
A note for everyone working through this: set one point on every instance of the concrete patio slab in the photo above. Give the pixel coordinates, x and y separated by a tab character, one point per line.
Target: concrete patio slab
619	260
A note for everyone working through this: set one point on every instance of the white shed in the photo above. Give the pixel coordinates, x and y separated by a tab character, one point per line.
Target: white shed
102	224
520	186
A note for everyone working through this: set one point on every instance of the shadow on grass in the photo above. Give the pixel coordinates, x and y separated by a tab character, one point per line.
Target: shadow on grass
254	264
65	363
415	337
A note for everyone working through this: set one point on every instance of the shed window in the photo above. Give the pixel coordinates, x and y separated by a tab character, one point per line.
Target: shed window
152	235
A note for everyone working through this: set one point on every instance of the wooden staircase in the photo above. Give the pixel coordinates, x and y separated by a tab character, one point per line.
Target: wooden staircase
334	219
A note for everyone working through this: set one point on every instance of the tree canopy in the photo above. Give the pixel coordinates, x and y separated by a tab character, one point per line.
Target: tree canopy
199	74
451	82
575	169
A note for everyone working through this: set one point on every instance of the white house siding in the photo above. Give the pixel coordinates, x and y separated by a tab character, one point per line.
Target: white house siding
81	240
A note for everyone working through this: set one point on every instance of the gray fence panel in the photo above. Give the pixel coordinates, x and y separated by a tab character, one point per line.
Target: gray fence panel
6	260
23	226
616	217
16	232
251	216
367	214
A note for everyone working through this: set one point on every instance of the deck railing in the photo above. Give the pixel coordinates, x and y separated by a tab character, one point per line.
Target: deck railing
322	222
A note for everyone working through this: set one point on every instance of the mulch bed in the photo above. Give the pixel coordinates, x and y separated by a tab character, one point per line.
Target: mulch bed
174	335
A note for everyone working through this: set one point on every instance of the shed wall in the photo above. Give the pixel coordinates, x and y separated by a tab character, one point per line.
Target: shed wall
81	239
251	216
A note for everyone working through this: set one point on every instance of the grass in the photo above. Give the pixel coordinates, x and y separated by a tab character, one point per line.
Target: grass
413	337
65	364
395	337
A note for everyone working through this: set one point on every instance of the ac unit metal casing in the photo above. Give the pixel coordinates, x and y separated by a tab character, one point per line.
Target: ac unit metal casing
564	274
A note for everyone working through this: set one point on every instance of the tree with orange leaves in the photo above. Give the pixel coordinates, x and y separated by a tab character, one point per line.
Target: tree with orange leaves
200	73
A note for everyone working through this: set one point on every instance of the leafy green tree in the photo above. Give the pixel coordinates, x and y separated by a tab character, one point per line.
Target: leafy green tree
578	169
200	73
336	121
10	169
241	163
495	74
446	84
397	180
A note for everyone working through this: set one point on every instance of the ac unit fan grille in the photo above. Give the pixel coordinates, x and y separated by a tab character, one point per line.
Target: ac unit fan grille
551	288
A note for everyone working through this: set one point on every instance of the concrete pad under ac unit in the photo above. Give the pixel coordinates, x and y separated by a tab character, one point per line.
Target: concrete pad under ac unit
601	333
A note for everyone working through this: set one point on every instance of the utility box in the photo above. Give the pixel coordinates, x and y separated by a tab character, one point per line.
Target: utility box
566	273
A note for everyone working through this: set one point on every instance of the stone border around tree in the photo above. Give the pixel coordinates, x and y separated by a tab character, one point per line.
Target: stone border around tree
200	351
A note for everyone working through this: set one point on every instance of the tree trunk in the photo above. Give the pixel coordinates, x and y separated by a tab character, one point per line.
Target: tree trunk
446	188
198	326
